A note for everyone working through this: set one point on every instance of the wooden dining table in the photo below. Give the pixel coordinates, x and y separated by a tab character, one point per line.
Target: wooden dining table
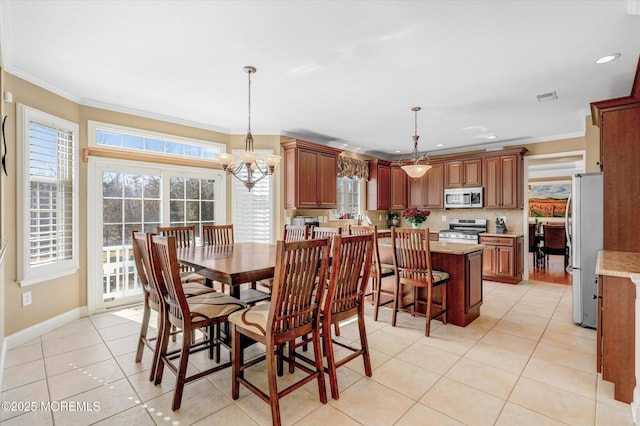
233	265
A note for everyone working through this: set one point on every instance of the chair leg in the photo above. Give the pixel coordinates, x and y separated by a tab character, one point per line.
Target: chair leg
428	315
444	302
376	300
157	368
143	330
182	371
331	361
363	343
395	303
273	386
317	350
236	362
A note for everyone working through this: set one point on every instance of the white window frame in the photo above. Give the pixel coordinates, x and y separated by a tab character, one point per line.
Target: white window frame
362	190
28	275
234	195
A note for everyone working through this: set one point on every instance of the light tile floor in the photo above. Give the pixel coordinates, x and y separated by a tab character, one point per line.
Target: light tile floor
523	362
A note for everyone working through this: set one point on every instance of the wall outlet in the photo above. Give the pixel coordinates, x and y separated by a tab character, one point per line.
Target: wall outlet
26	298
444	218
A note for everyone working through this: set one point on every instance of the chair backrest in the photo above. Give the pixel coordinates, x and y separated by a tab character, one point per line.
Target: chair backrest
554	236
185	235
217	235
295	295
295	233
166	270
325	231
532	237
350	268
365	230
143	265
412	254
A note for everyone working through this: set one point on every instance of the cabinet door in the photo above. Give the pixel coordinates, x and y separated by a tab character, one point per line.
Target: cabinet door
473	296
417	191
488	261
398	188
492	183
505	266
509	180
434	187
473	172
453	174
308	179
327	186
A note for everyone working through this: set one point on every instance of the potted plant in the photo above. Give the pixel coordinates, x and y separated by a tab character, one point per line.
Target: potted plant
416	216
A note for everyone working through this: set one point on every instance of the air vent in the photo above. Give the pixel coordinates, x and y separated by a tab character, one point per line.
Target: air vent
545	97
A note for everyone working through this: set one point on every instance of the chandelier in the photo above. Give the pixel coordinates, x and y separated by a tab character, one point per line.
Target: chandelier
419	165
249	169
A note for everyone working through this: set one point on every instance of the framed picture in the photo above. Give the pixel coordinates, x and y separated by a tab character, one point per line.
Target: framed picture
549	199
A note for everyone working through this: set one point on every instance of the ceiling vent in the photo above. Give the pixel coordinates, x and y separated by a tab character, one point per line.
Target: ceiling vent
546	97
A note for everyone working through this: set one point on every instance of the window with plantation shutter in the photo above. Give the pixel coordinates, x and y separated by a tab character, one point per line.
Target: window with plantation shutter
48	215
252	211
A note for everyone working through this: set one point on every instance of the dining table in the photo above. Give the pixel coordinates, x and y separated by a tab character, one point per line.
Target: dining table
233	265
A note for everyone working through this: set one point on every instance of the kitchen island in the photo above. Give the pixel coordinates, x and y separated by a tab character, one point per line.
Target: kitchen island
463	262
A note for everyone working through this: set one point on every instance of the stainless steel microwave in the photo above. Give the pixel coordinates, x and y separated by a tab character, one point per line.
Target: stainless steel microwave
463	198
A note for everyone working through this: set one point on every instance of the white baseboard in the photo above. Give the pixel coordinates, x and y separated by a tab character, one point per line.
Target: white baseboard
23	336
3	357
635	406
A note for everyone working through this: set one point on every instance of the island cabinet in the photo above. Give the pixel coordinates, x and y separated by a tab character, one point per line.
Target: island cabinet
503	257
503	182
379	185
310	173
463	173
398	186
427	192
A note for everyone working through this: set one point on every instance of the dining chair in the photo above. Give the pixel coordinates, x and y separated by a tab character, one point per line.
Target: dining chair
555	242
412	260
533	246
294	311
151	299
344	299
206	312
324	231
185	237
295	233
218	235
378	270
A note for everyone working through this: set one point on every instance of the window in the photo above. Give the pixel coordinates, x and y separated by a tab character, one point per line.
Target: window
111	135
252	211
191	202
349	197
48	211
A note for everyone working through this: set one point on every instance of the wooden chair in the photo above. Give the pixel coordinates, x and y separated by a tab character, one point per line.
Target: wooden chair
324	232
293	312
555	242
295	233
412	260
205	311
378	270
350	267
217	235
151	298
185	237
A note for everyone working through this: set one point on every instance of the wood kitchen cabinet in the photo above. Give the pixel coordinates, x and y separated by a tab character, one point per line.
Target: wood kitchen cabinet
503	181
398	186
502	258
310	172
463	173
379	185
427	192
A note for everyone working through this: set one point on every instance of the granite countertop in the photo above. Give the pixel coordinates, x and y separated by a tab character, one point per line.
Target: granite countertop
618	263
506	234
442	247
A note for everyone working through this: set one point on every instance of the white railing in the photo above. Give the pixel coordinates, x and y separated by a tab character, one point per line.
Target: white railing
119	273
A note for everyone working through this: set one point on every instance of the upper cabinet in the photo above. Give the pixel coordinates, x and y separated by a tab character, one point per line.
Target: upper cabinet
379	185
503	181
463	173
310	173
398	186
427	192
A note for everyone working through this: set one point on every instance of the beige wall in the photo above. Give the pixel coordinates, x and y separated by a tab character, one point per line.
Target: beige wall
58	296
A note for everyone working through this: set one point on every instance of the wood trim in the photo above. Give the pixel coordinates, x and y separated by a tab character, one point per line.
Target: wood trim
631	101
123	154
298	143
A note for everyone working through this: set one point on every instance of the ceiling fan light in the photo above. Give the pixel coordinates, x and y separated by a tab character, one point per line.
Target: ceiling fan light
416	170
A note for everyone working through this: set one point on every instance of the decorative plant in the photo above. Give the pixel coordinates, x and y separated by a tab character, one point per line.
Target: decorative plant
415	216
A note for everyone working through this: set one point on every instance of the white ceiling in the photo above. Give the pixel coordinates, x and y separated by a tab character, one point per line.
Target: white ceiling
336	72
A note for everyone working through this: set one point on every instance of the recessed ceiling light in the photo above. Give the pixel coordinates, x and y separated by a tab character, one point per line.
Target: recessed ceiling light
440	145
398	151
492	136
607	58
344	144
357	148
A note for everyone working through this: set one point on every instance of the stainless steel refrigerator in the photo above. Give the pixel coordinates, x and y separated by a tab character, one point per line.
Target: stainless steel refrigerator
585	240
